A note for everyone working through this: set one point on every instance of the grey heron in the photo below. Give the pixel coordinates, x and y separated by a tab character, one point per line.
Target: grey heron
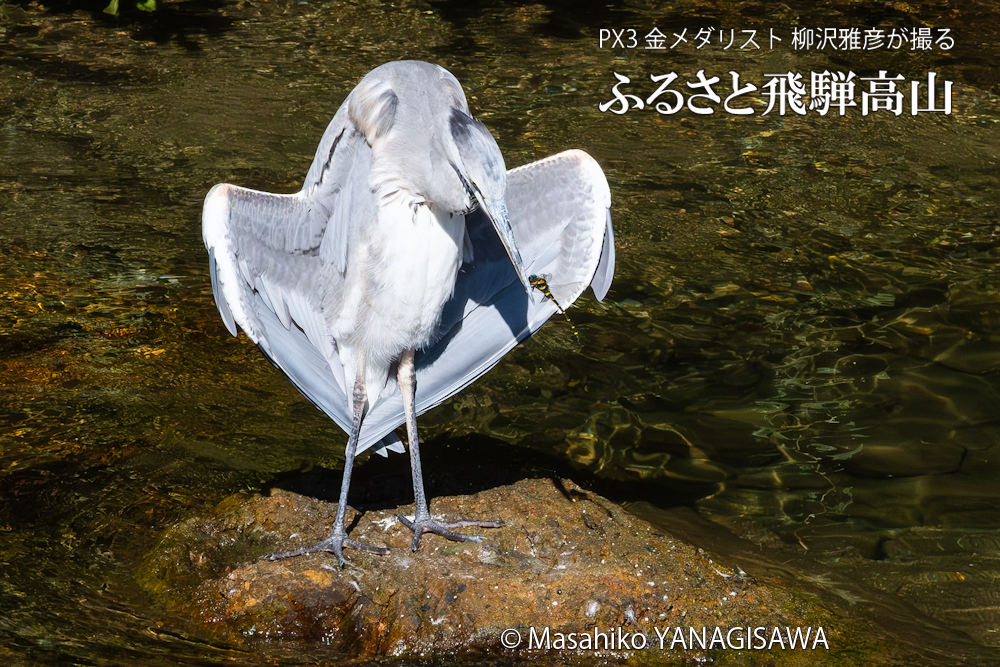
404	266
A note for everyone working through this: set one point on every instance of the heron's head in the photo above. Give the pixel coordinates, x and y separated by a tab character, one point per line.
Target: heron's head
415	117
478	163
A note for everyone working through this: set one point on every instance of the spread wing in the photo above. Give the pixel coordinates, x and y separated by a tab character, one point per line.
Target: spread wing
277	264
277	261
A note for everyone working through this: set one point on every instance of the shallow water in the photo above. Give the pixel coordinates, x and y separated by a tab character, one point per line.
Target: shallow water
801	343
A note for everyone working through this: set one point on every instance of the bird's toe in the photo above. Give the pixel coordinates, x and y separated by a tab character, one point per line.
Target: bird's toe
429	525
334	544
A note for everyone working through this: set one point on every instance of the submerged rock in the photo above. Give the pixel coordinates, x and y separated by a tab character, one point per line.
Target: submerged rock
569	573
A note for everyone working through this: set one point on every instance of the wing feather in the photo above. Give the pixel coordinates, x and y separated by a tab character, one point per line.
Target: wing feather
275	258
560	209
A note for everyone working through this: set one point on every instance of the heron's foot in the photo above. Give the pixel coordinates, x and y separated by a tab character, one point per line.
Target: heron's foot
334	544
429	525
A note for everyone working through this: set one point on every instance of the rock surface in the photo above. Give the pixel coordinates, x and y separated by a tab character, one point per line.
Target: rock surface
605	584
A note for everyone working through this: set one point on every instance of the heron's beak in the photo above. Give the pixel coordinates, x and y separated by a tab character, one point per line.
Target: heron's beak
496	211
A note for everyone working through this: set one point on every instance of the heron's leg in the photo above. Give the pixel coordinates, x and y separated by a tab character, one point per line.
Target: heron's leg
338	538
422	521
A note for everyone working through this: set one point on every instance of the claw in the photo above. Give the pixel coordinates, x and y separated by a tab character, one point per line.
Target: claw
428	525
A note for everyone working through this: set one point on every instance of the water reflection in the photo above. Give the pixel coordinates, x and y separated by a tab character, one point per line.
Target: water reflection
800	343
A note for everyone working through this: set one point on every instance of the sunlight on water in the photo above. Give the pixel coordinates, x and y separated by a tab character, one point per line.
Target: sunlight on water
801	341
